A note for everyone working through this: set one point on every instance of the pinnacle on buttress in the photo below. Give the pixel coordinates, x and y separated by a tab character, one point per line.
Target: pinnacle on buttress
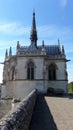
43	44
63	51
43	48
6	54
10	51
18	45
33	35
59	44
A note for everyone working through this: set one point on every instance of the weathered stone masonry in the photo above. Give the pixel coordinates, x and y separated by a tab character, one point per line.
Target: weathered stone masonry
19	119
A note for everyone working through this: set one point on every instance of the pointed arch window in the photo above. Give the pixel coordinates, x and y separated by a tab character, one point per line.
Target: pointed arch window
30	71
52	72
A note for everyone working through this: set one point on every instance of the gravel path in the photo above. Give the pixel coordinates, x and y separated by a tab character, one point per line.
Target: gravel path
52	113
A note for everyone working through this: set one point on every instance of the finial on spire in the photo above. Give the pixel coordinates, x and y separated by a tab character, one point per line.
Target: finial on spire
33	35
33	13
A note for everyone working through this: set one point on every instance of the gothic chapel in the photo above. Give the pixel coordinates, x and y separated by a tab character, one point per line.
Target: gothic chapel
34	66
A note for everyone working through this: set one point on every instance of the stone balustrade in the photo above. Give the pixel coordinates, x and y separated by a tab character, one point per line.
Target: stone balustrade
20	117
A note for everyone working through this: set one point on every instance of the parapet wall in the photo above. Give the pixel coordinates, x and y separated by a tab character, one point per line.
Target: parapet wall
19	119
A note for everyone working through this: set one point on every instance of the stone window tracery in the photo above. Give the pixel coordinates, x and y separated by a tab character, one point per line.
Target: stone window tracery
30	71
52	72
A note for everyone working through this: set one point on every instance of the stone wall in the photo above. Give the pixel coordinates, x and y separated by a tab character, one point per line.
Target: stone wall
19	119
20	89
0	90
21	67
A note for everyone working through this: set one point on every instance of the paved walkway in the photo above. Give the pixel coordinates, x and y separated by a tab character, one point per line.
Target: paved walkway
52	113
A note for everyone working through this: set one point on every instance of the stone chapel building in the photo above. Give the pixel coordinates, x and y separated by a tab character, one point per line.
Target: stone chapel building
34	66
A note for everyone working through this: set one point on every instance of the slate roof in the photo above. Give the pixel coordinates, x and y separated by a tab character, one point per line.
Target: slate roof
50	50
53	50
32	47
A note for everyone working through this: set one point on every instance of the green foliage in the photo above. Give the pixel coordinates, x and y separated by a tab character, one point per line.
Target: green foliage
70	87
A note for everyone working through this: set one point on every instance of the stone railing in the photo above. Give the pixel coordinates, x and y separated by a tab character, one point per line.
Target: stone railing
19	119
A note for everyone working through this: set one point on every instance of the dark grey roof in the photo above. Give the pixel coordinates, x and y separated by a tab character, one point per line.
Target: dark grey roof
50	50
53	50
32	47
28	48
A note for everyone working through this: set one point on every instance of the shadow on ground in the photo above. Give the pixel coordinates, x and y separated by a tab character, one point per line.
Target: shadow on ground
69	96
42	118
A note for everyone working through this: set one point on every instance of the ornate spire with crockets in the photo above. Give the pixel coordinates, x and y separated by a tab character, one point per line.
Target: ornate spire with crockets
33	35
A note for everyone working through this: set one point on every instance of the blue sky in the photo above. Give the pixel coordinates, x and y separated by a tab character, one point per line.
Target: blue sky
54	20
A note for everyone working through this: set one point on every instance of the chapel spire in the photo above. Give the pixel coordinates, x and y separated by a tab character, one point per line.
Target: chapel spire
33	35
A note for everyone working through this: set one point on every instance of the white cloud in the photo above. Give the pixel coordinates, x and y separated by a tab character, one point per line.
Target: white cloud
18	29
14	29
48	33
63	3
52	30
44	31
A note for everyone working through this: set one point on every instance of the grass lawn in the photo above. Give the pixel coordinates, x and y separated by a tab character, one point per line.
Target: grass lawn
70	87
